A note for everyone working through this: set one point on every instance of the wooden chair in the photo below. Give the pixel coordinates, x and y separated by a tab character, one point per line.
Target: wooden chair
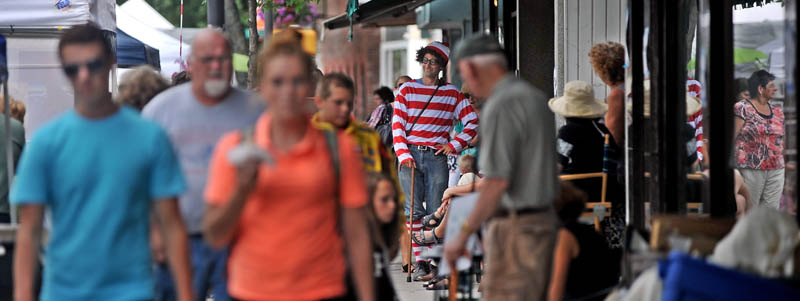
603	175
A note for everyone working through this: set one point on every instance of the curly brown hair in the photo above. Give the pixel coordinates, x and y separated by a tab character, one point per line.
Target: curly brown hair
138	86
16	108
425	50
608	61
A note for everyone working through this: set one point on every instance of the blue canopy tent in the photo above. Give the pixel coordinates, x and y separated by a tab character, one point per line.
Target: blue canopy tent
132	52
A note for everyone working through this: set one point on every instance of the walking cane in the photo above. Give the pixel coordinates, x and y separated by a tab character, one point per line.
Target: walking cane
411	226
453	289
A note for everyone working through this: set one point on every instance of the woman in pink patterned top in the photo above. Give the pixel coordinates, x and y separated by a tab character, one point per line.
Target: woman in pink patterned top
759	132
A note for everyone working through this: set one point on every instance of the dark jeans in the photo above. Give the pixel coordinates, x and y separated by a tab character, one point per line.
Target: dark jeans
430	181
209	267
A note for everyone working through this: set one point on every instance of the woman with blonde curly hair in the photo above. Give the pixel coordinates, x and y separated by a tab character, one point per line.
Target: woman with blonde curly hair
608	60
138	86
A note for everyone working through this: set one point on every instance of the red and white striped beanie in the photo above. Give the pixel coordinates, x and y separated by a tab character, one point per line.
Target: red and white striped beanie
443	49
693	87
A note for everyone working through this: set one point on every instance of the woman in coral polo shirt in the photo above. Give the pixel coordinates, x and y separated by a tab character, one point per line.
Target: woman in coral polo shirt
281	219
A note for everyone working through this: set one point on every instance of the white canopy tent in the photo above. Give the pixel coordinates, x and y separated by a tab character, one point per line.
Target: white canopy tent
50	13
141	21
32	28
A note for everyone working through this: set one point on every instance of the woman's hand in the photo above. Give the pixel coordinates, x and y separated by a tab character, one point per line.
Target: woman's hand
247	176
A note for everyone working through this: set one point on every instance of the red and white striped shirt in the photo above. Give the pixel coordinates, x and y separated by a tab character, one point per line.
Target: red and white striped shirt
436	121
693	87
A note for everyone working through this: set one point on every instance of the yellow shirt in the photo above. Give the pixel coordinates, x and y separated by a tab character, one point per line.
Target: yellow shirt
374	156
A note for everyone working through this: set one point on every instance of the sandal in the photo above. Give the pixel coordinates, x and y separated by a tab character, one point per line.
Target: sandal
439	285
435	279
425	241
426	221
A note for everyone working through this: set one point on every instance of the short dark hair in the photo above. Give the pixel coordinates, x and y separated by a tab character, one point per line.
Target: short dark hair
86	34
570	202
337	79
425	50
741	85
385	94
760	78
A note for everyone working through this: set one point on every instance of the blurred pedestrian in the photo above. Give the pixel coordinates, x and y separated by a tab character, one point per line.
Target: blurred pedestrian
138	86
759	141
195	116
742	89
383	207
424	111
99	169
335	98
518	163
608	60
382	98
400	81
16	109
584	267
17	133
285	212
180	78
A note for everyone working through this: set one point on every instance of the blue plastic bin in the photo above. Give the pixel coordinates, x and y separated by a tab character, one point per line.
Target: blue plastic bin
687	278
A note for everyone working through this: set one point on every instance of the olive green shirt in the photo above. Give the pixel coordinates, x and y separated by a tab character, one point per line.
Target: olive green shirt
517	135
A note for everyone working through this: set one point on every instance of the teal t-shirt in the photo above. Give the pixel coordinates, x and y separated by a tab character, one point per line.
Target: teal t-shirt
98	179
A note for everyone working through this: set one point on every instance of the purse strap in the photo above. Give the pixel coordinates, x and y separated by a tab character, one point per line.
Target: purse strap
423	109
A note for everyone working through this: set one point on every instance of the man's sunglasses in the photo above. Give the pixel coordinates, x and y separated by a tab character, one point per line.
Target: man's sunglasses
92	66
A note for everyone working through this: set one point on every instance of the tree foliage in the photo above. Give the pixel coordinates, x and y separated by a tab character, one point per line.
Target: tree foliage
194	11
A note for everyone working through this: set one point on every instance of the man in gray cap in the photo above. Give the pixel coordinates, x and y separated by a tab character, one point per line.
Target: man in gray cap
518	160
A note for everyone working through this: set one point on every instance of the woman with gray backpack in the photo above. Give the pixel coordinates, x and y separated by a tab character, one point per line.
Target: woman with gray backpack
381	118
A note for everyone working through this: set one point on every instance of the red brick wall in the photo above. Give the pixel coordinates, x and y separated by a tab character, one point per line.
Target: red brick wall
359	58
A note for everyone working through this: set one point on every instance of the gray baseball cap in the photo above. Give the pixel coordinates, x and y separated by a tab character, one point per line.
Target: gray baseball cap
477	45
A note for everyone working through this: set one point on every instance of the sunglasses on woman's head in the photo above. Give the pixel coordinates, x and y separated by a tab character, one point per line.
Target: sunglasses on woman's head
93	66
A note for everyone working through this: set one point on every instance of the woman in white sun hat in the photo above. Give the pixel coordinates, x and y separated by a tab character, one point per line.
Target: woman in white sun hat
580	145
580	141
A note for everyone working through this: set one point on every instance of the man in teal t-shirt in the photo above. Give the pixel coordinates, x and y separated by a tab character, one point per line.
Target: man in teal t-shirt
99	169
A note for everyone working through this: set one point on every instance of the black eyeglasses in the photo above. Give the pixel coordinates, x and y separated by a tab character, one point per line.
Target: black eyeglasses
93	66
433	62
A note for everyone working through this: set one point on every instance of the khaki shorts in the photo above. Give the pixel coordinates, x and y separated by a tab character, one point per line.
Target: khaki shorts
519	256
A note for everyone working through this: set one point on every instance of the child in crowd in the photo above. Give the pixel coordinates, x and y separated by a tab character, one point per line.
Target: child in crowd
467	166
386	230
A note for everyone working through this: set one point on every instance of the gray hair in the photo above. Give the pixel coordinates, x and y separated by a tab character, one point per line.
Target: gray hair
209	31
484	60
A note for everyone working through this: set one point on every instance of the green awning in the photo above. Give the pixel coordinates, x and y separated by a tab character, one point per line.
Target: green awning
379	13
741	56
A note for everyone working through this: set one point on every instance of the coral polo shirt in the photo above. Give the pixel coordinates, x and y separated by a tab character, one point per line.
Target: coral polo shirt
287	244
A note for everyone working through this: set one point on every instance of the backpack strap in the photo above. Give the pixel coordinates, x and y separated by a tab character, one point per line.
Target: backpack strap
333	149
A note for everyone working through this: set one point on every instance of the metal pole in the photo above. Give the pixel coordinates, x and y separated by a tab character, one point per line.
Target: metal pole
214	13
9	154
492	18
476	16
635	192
668	86
720	121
